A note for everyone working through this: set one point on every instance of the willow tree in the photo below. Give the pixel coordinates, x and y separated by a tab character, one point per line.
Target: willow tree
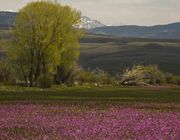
44	32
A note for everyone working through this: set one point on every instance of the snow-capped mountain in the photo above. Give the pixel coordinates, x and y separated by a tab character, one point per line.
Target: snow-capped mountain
7	18
88	23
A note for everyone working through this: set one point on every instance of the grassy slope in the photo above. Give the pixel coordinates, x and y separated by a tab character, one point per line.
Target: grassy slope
115	54
105	94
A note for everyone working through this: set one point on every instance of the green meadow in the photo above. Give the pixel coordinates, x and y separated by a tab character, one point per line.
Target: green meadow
89	93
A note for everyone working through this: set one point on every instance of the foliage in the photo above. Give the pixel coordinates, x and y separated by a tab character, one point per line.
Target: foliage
43	34
44	81
65	74
86	77
67	67
103	77
177	80
4	44
6	72
142	75
96	76
172	79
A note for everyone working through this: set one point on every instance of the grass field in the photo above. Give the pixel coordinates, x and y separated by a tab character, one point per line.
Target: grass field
90	93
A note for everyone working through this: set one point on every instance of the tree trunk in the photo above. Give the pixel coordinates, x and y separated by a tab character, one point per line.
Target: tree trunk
38	73
58	79
24	75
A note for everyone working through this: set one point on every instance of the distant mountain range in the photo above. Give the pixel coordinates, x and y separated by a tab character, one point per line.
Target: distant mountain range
169	31
88	23
7	19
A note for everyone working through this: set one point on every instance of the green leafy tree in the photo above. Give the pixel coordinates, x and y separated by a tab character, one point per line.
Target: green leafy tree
68	67
44	35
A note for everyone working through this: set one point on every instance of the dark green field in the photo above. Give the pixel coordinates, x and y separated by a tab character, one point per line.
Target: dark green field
81	94
115	54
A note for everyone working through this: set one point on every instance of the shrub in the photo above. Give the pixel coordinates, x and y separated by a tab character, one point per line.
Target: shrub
66	74
172	79
6	72
103	77
85	77
45	81
95	76
143	75
177	79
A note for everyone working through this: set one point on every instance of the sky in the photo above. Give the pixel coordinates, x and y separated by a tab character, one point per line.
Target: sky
116	12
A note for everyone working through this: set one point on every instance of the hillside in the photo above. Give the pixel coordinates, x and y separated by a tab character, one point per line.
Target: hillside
7	19
114	54
169	31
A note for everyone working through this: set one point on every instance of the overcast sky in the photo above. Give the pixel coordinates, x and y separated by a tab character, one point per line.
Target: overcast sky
115	12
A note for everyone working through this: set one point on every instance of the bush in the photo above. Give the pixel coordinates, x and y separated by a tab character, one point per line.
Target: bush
177	80
85	77
44	81
6	72
65	74
97	76
143	75
103	77
172	79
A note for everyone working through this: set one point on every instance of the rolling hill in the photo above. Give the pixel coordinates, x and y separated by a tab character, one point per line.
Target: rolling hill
115	54
7	19
169	31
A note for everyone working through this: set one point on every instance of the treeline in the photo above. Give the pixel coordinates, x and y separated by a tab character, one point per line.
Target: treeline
138	75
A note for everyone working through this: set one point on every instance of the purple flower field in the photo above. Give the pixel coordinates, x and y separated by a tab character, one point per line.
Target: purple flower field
69	122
